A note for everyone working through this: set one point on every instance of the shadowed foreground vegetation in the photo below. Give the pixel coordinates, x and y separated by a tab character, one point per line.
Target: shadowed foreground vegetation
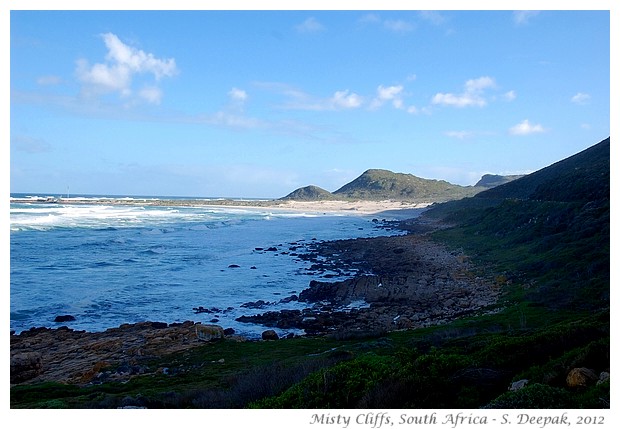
468	364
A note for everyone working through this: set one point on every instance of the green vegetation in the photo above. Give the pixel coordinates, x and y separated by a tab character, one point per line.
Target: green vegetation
467	364
546	240
310	193
384	184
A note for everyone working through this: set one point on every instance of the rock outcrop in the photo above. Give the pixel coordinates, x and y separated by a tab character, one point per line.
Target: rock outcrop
68	356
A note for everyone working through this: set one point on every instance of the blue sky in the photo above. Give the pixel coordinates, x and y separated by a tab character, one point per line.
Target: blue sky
258	103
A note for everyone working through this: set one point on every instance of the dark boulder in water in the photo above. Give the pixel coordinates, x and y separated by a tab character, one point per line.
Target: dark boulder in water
64	318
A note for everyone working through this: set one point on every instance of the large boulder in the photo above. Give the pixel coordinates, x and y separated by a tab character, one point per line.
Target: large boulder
209	332
581	377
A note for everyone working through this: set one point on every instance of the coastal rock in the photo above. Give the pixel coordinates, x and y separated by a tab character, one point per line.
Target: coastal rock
289	299
25	366
603	377
64	318
581	377
270	334
256	304
68	356
209	332
518	385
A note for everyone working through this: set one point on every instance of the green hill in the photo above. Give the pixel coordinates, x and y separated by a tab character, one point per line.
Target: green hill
309	193
384	184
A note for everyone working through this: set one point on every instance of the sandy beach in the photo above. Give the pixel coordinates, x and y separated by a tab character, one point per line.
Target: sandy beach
396	209
386	208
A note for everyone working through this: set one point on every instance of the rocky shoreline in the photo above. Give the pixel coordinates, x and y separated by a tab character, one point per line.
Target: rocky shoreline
402	282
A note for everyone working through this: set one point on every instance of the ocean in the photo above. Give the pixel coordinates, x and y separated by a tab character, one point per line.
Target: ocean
109	264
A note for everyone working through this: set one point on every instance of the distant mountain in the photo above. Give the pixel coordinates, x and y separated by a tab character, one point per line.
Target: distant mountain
384	185
309	193
378	184
493	180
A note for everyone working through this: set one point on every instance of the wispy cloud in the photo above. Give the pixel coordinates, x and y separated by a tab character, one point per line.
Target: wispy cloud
459	134
310	25
116	73
523	17
510	95
473	94
29	144
49	80
345	100
580	98
297	99
432	16
152	94
525	128
398	25
394	25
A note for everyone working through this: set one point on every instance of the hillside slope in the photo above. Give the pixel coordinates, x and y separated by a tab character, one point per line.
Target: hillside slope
548	231
581	177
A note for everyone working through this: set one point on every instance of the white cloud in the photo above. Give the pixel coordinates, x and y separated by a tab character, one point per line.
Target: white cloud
122	63
238	94
480	84
580	98
310	25
432	16
525	128
151	94
299	100
510	95
346	100
523	17
394	25
398	25
459	134
461	100
389	93
473	95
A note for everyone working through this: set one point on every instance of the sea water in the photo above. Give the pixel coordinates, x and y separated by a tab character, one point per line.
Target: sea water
109	264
